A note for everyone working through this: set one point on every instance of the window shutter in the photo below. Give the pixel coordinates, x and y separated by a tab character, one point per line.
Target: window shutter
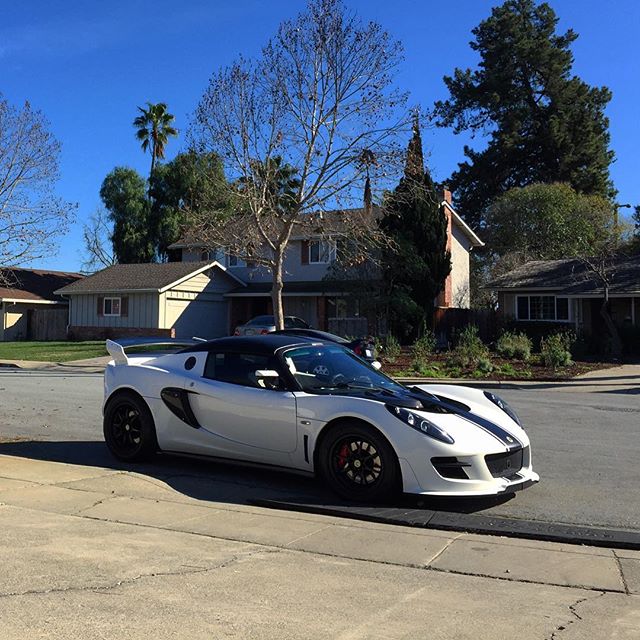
124	306
305	252
100	309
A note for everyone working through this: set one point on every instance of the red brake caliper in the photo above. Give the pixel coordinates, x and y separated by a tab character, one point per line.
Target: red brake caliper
342	456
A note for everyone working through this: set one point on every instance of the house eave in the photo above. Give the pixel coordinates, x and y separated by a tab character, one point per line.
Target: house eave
31	301
466	229
211	265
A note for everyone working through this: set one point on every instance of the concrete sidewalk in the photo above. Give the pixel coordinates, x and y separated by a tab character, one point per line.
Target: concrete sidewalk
93	552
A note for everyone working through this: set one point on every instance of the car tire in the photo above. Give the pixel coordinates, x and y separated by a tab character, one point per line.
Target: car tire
128	428
358	463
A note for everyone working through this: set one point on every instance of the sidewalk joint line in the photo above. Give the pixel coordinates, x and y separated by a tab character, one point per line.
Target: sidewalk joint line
446	546
622	576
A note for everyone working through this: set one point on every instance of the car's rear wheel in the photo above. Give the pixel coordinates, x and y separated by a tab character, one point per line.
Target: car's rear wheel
358	463
128	428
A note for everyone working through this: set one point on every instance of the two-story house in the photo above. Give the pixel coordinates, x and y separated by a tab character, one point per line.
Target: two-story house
309	290
207	293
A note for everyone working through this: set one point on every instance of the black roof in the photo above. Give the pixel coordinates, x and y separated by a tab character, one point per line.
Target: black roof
260	345
573	277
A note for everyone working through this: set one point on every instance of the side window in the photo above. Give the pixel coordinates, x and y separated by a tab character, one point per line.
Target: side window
299	324
237	368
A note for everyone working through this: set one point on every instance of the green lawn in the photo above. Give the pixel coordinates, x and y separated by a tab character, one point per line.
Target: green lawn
52	351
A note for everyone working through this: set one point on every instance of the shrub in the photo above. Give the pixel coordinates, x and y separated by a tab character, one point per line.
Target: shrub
556	349
424	346
426	370
391	348
470	348
514	345
485	365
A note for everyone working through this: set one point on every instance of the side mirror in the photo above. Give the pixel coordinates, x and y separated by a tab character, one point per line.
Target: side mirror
268	378
376	365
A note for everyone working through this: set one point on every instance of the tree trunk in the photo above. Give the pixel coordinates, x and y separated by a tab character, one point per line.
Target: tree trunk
276	291
616	343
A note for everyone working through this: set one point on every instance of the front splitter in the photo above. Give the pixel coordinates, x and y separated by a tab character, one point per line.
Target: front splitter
467	523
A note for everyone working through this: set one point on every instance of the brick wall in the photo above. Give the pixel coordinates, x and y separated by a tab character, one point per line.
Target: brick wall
102	333
445	297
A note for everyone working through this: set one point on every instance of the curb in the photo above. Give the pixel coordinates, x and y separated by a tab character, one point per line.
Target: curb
469	523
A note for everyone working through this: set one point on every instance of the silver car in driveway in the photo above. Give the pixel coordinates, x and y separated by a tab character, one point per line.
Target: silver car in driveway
266	324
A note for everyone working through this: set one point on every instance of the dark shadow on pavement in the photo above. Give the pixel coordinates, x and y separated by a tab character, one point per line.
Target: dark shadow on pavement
220	482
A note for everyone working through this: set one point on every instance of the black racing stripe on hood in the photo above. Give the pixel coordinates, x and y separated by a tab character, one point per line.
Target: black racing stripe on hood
507	439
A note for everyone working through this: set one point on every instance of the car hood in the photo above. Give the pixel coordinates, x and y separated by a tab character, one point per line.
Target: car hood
439	406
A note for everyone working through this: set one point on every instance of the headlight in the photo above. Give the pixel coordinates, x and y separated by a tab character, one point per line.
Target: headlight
421	424
499	402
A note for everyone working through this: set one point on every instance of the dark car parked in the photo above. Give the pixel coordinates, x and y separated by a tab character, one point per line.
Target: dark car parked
364	347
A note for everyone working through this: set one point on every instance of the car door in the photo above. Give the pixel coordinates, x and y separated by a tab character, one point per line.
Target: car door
239	418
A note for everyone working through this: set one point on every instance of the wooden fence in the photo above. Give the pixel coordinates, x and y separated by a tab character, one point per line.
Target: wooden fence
47	324
449	322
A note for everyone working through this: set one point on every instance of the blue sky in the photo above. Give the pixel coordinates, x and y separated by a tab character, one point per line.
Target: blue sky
87	65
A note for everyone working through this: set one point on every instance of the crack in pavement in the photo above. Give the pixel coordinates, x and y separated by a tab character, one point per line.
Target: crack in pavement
157	574
576	616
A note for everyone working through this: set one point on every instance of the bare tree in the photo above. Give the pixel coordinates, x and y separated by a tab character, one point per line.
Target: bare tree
98	246
321	103
31	216
602	260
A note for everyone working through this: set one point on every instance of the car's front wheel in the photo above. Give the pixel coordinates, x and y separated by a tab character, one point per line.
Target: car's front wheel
128	428
358	463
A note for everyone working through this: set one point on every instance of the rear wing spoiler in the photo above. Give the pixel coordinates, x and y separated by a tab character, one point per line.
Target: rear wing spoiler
117	349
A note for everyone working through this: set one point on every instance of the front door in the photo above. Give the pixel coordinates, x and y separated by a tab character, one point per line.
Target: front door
238	418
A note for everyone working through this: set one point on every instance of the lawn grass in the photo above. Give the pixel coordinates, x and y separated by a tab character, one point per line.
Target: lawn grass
52	351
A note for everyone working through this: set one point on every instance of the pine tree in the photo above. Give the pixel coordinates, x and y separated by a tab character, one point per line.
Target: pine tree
415	272
546	124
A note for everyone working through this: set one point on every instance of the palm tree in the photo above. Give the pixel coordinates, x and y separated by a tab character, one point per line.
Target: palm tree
154	126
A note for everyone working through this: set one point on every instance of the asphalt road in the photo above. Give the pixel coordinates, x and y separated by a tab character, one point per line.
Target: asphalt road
586	447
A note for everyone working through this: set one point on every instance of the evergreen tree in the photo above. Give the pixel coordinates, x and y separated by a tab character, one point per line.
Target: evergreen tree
546	125
124	195
415	272
179	188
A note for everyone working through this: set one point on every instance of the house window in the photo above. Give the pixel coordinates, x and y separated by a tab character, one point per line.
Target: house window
321	251
545	308
111	307
234	261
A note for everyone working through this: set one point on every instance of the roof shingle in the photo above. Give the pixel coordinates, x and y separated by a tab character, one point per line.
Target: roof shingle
573	277
134	277
35	284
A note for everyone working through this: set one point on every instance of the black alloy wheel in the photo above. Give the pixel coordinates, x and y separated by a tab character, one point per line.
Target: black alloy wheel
358	463
128	428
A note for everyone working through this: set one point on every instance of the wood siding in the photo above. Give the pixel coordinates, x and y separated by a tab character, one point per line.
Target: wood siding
142	311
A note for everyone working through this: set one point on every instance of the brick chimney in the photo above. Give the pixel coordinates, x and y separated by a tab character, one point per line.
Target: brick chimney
445	297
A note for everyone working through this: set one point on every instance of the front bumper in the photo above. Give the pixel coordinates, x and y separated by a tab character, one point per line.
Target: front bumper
424	480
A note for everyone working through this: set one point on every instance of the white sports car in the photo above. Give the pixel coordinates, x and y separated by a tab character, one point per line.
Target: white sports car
317	408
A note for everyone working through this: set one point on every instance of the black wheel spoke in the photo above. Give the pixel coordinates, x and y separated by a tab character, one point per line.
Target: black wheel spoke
126	429
356	462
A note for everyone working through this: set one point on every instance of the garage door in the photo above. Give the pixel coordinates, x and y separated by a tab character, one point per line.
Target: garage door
197	318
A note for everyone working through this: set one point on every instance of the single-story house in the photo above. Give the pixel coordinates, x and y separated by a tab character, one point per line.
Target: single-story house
174	299
571	293
309	290
29	307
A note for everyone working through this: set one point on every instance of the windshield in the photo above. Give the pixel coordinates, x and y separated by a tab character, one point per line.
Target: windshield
331	368
268	320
